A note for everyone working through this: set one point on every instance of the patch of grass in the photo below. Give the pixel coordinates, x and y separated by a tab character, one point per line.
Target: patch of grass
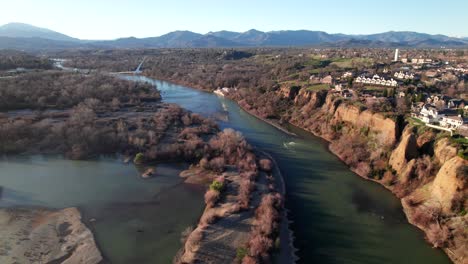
415	121
320	63
347	63
318	87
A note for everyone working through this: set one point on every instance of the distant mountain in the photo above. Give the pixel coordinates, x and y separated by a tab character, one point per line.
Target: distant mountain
20	30
30	44
361	43
210	41
23	36
176	39
230	35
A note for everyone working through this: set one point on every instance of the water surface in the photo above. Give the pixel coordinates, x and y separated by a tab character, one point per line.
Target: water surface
134	220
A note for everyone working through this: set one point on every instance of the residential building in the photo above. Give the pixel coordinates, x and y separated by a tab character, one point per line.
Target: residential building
403	76
429	114
376	80
452	122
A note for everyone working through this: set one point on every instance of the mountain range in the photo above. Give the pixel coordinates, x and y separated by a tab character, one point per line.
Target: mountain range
28	37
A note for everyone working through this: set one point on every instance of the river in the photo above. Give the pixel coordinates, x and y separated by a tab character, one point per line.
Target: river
337	217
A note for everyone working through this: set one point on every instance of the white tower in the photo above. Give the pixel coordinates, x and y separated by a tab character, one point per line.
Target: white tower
396	55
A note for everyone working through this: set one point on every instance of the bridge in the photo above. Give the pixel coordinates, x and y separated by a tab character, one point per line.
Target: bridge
136	71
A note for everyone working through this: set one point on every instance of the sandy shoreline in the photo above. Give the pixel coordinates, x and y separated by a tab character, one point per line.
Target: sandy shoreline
38	235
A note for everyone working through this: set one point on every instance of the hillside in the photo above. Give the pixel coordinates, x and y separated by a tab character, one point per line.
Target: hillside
20	30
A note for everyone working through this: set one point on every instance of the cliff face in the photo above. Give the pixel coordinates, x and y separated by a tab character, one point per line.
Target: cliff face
366	119
424	172
449	184
360	138
406	151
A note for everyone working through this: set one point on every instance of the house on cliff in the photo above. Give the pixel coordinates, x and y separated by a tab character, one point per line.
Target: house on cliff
428	114
453	122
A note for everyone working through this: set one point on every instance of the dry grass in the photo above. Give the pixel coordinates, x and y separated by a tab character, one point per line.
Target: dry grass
209	217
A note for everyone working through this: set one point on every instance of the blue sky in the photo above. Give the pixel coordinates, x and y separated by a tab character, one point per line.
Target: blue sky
108	19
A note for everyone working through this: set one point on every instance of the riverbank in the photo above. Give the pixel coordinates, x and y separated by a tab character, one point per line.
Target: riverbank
46	236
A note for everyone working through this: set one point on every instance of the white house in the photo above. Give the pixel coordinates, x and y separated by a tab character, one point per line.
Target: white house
347	74
376	80
403	76
429	114
452	122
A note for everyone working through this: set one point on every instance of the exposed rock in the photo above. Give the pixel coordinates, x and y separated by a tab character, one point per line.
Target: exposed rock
366	119
310	99
44	236
448	183
406	150
289	92
444	151
148	173
408	171
425	138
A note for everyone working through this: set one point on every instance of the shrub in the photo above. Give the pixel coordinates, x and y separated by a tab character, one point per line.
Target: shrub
245	188
260	245
139	158
265	165
217	164
437	235
241	253
422	218
217	186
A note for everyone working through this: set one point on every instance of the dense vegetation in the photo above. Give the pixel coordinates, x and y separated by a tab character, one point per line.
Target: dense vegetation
86	115
11	59
58	90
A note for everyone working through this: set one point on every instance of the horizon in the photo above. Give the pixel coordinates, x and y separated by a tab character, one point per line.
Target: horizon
109	20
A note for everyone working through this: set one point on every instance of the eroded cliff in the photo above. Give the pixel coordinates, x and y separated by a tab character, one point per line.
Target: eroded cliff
421	169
